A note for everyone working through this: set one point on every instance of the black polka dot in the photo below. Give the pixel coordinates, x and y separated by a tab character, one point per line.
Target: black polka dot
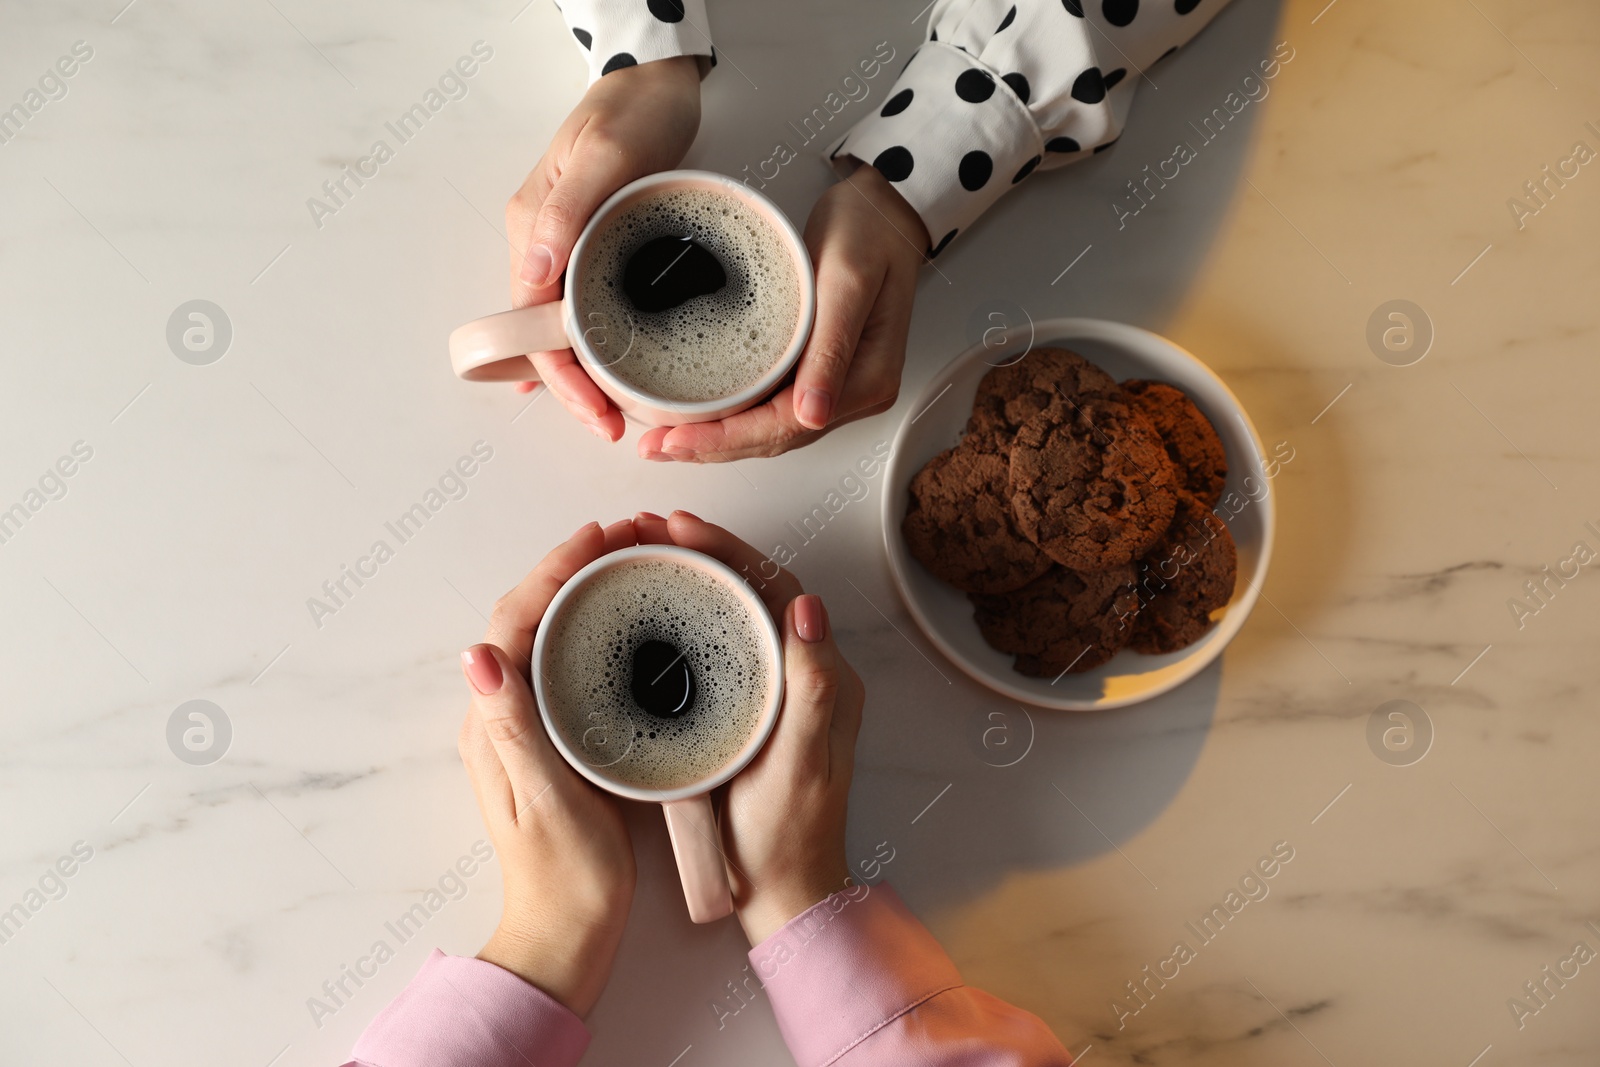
897	103
974	86
1102	147
1074	7
1186	6
936	249
1019	85
976	166
933	35
1167	53
1119	12
1008	20
584	37
1115	76
895	163
1062	144
1027	169
618	62
1090	87
667	10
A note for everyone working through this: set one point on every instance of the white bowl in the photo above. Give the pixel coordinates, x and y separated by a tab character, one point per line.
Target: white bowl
936	422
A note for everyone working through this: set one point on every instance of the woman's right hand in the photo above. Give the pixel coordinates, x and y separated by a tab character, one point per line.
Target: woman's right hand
632	122
783	820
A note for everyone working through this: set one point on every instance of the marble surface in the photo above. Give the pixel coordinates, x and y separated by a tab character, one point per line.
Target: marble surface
1061	855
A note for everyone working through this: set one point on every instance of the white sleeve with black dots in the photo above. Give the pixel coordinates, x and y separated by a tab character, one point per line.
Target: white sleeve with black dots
1006	87
623	33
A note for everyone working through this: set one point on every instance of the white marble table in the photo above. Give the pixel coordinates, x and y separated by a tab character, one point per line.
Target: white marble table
175	562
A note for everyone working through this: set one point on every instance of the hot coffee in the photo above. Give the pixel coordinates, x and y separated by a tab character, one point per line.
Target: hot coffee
656	673
694	293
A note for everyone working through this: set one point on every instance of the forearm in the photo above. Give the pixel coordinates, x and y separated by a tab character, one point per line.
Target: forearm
858	981
471	1013
985	103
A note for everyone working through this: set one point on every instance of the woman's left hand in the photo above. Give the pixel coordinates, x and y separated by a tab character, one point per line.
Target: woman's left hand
866	243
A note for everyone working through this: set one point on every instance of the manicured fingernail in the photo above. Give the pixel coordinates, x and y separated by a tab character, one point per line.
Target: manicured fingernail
677	450
595	429
649	515
810	620
687	515
815	407
585	528
658	457
482	669
536	265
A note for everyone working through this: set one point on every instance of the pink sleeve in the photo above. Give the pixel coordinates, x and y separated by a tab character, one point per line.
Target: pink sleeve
858	981
461	1012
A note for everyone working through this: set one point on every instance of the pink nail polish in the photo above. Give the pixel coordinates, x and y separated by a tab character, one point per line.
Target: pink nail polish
810	620
482	669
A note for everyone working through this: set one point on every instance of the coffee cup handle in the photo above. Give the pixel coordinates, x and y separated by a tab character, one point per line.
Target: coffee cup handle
495	347
692	825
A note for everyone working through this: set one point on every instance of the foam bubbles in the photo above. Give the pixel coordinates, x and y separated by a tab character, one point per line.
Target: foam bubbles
588	660
712	346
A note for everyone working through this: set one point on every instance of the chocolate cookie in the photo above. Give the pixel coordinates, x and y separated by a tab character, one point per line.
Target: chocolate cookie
1064	621
1192	443
1187	575
1091	484
1010	395
959	523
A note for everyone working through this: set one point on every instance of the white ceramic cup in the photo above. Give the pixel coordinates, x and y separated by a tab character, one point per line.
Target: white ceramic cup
691	822
496	348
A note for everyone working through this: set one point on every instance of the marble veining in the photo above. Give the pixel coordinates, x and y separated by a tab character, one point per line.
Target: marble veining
218	898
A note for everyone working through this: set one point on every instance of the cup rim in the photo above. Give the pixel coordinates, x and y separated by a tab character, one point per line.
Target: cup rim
804	272
773	642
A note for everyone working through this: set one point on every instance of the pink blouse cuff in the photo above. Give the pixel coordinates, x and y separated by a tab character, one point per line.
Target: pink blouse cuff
459	1010
849	966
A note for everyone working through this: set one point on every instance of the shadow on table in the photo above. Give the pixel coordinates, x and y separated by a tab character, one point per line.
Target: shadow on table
1043	789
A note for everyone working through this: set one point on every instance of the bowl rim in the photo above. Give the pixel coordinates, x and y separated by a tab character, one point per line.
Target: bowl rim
1135	341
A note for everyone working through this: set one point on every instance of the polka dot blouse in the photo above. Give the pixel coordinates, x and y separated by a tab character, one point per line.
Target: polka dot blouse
623	33
1001	88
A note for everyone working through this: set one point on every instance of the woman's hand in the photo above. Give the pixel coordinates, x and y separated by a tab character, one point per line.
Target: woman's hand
866	243
565	857
783	818
632	122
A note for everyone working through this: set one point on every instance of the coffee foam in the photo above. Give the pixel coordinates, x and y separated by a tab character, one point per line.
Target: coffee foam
710	347
588	660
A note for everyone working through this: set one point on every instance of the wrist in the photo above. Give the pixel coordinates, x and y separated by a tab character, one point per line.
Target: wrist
571	962
677	77
768	912
895	207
